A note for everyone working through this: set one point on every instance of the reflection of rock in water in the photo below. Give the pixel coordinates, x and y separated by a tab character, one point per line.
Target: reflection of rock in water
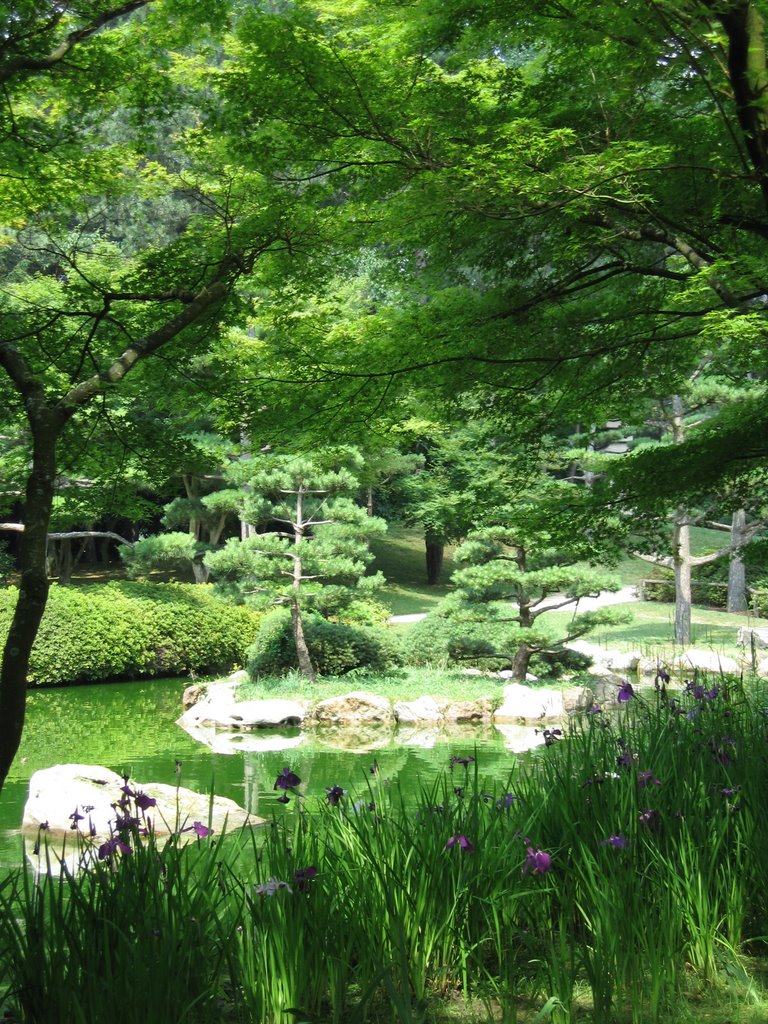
519	738
417	736
354	737
246	742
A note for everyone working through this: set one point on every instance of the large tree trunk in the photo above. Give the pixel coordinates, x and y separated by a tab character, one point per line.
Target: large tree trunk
33	587
681	555
435	552
737	573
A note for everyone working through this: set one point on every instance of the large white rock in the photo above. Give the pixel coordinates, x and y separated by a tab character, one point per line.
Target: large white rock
424	709
522	702
707	661
226	713
623	661
56	794
750	637
357	706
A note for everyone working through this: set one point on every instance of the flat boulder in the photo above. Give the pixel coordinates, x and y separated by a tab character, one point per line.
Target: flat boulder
68	799
356	707
227	713
707	661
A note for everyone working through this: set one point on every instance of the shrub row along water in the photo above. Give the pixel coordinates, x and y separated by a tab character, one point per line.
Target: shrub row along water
126	630
621	869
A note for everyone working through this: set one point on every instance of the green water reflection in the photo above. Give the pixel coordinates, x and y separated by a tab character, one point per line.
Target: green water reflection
130	727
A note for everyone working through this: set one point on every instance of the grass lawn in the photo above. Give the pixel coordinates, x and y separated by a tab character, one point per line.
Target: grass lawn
399	555
652	628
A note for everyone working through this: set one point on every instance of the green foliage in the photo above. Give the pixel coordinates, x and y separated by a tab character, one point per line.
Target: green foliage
170	552
335	647
6	562
441	639
126	630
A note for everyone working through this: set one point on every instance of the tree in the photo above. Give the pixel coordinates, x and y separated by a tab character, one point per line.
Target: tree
90	314
518	570
313	553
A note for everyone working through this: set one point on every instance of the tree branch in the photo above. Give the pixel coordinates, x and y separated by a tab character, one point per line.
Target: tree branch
35	65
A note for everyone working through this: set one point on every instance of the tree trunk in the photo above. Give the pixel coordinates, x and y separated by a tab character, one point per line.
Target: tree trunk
435	551
681	548
66	563
33	588
306	667
302	651
737	573
200	570
520	663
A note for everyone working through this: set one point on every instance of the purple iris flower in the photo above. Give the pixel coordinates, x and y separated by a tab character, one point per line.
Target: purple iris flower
200	830
303	876
506	800
595	710
112	846
461	760
626	692
335	793
74	817
465	844
287	780
647	779
284	799
538	862
648	817
618	841
727	791
144	801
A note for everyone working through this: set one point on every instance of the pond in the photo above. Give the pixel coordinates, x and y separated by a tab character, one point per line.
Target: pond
131	728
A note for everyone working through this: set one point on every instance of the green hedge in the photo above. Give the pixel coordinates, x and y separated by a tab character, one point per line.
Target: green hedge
334	647
126	630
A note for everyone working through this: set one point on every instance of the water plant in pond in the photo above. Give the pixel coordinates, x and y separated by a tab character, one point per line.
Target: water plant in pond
573	888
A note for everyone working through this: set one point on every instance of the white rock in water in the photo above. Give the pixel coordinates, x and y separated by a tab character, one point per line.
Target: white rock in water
83	795
223	712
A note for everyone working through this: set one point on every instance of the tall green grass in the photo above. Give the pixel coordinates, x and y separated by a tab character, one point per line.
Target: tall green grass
615	875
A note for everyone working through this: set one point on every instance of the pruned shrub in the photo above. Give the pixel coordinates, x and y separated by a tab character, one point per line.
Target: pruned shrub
444	639
127	630
334	647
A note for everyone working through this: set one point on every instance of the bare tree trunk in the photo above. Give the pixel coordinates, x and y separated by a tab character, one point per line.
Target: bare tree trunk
681	555
66	564
33	589
302	651
737	573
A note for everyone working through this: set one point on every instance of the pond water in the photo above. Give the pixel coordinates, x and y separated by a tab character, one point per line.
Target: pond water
131	728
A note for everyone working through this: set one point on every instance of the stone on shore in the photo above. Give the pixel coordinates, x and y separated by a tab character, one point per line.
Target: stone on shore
424	709
358	707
